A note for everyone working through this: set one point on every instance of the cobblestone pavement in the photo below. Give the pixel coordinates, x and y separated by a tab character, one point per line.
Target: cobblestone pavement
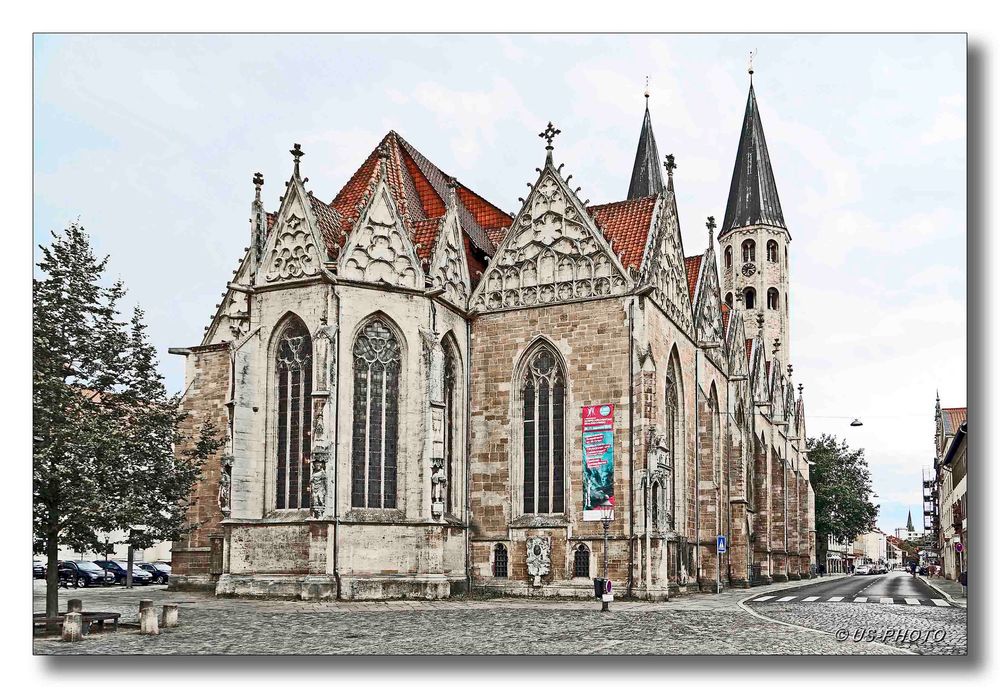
699	624
923	630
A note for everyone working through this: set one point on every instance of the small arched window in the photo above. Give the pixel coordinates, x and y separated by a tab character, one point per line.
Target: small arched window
543	390
499	560
451	439
772	299
772	251
729	257
749	251
293	378
729	299
376	417
581	561
749	298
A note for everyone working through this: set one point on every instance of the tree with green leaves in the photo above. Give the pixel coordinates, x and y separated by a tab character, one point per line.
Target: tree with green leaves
104	426
843	487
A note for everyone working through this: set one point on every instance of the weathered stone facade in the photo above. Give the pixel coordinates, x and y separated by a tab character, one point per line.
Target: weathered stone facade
401	374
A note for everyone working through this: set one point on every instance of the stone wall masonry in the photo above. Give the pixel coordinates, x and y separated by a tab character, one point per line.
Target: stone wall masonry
206	392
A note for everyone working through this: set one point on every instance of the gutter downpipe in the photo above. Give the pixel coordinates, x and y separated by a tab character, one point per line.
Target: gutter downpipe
697	474
729	488
468	453
631	446
336	451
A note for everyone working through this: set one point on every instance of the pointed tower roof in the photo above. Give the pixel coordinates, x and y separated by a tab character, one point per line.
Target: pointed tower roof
909	520
646	177
753	196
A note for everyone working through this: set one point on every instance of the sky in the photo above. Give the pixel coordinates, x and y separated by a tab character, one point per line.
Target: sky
151	142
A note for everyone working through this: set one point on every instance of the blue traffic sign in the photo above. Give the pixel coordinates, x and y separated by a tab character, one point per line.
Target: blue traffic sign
720	544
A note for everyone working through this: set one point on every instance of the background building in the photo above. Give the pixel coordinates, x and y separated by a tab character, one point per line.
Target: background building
951	471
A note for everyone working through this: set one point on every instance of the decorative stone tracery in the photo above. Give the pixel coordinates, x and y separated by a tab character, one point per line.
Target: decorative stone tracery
379	249
553	253
663	268
294	254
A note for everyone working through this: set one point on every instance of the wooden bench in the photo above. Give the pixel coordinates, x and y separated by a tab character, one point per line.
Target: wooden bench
39	619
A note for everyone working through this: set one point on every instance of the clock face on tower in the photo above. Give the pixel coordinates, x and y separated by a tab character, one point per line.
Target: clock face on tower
749	269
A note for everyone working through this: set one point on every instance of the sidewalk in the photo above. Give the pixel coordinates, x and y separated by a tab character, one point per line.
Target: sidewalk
953	590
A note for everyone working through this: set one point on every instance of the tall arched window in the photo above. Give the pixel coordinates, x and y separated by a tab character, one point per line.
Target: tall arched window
543	391
655	503
772	299
772	251
675	440
581	561
729	257
376	417
749	251
729	299
293	446
749	298
714	428
451	439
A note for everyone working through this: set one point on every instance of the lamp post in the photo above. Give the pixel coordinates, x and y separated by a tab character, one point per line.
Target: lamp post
131	553
606	517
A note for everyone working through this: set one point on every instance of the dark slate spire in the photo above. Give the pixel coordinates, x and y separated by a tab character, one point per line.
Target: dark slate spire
909	520
646	177
753	196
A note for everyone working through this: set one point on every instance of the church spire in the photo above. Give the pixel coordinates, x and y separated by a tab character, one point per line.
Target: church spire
909	521
753	196
646	177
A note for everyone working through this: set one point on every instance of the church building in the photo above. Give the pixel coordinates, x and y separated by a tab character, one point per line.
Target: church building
423	394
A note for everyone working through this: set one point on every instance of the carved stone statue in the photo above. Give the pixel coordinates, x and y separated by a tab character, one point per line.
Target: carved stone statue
319	428
317	487
225	483
325	354
660	451
439	482
539	556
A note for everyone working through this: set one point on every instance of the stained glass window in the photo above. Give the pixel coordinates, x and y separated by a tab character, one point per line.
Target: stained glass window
293	373
581	561
376	417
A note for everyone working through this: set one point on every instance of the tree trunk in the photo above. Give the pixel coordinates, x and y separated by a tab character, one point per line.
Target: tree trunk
130	560
52	574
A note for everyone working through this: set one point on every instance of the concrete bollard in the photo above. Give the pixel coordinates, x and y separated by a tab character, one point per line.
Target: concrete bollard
145	604
72	629
170	616
147	621
74	605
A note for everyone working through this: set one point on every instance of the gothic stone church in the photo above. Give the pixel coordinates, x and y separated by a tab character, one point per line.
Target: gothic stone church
402	371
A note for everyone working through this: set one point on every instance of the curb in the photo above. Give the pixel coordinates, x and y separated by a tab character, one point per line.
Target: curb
963	603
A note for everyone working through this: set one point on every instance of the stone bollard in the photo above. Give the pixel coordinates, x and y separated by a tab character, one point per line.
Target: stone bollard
170	616
72	629
147	618
74	605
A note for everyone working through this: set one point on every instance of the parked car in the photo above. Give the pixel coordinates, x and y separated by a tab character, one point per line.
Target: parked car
118	568
862	570
923	571
38	569
158	569
82	574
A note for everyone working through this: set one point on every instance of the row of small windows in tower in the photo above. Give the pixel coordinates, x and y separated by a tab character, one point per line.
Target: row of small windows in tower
501	561
750	253
750	299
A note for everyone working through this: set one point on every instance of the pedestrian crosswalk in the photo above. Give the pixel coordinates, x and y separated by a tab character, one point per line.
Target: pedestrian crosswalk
861	599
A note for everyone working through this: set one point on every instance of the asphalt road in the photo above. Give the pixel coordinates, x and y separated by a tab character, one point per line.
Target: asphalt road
895	587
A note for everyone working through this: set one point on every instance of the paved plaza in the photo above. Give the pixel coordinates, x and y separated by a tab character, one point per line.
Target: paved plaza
693	624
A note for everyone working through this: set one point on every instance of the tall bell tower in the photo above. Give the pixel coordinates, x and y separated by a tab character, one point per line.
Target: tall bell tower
753	236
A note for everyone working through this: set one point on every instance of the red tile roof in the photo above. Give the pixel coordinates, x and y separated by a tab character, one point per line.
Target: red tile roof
693	266
953	418
749	346
725	318
626	225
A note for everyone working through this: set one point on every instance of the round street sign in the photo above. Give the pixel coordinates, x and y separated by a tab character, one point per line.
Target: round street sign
958	547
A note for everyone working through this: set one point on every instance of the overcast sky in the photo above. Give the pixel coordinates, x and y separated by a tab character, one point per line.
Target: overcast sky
152	141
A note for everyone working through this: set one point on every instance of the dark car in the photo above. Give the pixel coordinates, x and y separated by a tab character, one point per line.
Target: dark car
117	568
158	569
38	569
81	574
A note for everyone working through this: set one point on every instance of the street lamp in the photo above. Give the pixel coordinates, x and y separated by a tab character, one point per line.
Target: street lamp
606	516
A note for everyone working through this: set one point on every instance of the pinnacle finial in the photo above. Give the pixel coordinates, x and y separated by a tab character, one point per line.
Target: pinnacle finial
258	182
297	153
753	53
710	224
777	345
646	92
669	163
800	389
549	133
452	190
760	322
789	367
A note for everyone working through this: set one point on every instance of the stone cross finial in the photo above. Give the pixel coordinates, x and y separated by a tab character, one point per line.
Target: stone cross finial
646	92
258	181
452	190
711	228
777	345
548	134
800	389
789	370
753	54
670	164
297	153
